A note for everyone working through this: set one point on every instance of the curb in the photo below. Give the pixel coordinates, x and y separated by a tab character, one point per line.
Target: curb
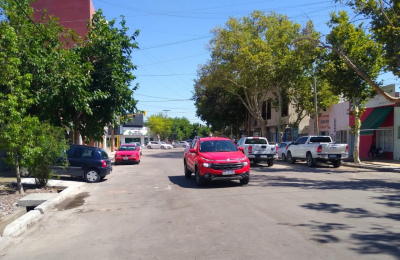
19	225
371	167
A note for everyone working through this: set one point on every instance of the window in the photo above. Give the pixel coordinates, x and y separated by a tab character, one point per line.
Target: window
269	109
341	137
256	141
193	144
264	110
398	132
271	136
285	110
82	152
104	154
127	148
217	146
385	140
319	139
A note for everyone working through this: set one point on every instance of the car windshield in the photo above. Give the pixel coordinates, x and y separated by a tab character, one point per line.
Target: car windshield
256	141
127	148
217	146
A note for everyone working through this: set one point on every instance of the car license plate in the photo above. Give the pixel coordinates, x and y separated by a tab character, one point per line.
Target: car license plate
228	172
264	156
125	158
332	156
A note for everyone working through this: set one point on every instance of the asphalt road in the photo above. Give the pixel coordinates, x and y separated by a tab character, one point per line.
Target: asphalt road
150	211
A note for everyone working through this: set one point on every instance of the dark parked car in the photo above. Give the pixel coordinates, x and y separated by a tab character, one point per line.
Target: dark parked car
89	162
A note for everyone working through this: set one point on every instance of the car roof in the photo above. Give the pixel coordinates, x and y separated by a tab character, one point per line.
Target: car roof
252	137
213	139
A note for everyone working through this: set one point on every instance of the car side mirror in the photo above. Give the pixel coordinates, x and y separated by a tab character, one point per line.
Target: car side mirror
192	150
116	149
241	149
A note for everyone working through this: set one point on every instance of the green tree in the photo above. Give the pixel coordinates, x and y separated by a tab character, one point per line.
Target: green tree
159	125
359	47
200	130
180	129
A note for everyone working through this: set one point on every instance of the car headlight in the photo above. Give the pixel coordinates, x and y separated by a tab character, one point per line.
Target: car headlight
207	165
117	155
245	163
133	155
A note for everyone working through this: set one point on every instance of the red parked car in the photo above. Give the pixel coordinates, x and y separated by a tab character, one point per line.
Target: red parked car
127	153
216	158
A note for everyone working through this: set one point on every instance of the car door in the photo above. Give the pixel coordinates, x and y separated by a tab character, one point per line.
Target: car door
82	158
302	147
191	156
294	148
61	167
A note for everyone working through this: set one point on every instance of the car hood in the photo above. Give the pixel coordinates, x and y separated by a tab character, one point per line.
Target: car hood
224	156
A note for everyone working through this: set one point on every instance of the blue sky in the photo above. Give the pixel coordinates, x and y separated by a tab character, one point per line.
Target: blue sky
173	36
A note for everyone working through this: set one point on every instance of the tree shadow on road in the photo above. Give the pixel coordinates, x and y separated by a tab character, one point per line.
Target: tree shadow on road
165	154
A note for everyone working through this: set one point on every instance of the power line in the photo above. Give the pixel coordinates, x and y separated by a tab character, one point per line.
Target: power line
154	97
164	75
175	59
173	43
22	9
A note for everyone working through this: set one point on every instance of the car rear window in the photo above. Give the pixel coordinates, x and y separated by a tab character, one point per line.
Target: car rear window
104	154
320	140
256	141
127	148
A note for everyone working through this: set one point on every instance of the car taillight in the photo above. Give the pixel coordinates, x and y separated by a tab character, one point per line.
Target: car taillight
277	148
319	149
347	148
287	146
103	164
250	149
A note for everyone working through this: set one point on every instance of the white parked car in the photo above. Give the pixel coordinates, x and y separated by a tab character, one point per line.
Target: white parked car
180	144
153	145
282	150
315	149
139	146
257	149
166	146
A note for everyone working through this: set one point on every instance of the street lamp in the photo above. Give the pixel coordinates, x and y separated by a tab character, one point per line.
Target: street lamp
166	112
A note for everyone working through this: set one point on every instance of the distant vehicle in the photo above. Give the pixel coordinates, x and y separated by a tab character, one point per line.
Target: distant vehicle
315	149
214	158
139	146
180	144
153	145
258	150
166	146
282	149
127	153
91	163
189	141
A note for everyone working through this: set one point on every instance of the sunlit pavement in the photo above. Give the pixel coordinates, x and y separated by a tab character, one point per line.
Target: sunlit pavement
151	211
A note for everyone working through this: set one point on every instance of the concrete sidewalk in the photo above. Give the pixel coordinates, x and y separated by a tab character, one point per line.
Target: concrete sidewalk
376	164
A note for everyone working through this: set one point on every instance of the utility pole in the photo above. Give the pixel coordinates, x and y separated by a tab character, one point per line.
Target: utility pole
166	112
315	108
112	139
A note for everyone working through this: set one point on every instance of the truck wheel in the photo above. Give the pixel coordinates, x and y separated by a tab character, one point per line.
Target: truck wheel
310	160
337	163
283	157
270	163
245	181
290	158
199	180
188	174
149	147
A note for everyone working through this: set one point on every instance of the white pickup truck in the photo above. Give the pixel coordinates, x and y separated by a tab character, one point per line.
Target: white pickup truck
257	149
315	149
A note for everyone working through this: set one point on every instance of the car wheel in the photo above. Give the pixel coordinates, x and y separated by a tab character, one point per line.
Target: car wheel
23	171
283	157
188	174
337	163
245	181
310	160
199	180
92	175
149	147
169	147
290	158
270	163
116	163
138	162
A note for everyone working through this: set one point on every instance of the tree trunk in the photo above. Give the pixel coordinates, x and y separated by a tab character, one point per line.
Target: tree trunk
263	125
357	126
280	134
76	132
16	163
112	140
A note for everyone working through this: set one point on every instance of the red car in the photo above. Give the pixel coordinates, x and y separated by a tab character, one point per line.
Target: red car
127	153
216	158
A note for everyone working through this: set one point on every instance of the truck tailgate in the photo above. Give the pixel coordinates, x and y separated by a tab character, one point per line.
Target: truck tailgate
334	148
261	148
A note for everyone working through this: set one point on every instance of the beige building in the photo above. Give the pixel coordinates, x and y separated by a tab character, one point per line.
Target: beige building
271	116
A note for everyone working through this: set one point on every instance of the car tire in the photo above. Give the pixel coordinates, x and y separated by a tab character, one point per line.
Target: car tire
116	163
188	174
149	147
283	157
270	163
245	181
92	175
310	160
199	180
290	158
337	163
138	162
